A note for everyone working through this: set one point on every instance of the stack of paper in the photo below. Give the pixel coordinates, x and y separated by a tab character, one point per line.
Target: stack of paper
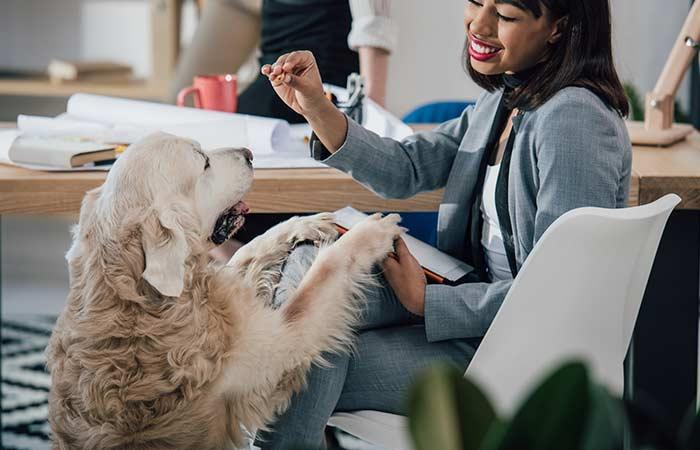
109	120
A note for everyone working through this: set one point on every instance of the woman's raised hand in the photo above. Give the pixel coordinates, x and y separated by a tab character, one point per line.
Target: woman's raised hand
297	81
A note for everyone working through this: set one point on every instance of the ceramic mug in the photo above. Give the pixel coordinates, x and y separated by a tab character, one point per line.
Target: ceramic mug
214	92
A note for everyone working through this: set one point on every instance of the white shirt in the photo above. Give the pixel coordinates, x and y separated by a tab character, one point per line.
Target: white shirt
491	237
372	25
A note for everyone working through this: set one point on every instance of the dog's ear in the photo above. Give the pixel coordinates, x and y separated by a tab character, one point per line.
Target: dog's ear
166	249
87	212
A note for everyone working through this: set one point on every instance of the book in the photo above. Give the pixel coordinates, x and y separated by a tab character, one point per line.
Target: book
439	267
57	152
100	71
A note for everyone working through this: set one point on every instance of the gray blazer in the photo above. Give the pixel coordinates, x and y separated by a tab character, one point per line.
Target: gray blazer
572	151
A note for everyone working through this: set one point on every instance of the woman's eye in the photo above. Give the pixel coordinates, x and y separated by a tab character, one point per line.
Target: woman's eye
505	18
474	2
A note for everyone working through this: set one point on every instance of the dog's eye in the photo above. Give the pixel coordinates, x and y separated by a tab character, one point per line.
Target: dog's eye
206	163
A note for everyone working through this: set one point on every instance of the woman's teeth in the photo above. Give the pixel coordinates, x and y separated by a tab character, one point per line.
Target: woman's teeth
484	50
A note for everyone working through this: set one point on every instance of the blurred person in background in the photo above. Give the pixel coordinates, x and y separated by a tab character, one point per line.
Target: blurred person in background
345	36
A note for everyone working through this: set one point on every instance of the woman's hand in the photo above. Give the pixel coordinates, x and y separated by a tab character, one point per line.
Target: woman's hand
406	278
295	78
297	81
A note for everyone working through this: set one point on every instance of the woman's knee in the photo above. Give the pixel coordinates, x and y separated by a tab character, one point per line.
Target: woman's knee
293	270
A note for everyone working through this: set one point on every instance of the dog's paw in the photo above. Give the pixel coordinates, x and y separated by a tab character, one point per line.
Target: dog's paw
375	235
318	228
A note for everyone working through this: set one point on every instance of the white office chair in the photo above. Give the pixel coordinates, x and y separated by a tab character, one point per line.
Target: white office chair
576	296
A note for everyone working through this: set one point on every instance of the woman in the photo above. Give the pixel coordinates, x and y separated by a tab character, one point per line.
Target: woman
345	35
546	137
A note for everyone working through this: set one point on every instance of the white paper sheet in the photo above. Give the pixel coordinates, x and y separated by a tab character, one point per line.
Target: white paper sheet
85	168
262	134
428	256
274	143
375	118
64	125
286	162
7	137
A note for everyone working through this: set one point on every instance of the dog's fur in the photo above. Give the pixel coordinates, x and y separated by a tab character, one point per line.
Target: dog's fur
159	349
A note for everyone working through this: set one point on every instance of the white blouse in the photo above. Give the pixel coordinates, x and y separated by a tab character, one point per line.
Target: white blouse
372	25
491	237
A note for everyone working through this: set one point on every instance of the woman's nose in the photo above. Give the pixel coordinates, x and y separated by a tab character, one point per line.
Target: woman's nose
481	25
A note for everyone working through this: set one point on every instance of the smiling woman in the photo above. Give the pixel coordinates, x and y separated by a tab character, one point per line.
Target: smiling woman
546	137
509	36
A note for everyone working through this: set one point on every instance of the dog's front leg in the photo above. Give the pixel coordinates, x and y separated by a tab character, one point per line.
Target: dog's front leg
326	303
276	347
260	260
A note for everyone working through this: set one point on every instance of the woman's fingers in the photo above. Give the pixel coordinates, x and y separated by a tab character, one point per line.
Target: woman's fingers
391	266
289	63
281	60
297	60
401	248
296	80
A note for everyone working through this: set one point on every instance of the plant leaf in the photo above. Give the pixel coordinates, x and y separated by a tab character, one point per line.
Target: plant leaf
554	416
448	412
605	426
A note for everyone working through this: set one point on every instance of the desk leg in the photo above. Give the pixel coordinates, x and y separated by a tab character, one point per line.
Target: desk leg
663	358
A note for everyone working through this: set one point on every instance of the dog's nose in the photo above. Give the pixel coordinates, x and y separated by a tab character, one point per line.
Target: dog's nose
247	154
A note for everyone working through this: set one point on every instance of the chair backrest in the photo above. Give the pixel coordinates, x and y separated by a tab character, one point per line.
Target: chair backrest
436	112
577	296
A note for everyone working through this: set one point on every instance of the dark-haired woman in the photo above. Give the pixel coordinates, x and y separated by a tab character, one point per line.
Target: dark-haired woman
546	137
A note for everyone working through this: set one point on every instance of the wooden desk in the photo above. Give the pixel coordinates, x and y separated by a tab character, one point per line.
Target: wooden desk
655	172
25	191
660	171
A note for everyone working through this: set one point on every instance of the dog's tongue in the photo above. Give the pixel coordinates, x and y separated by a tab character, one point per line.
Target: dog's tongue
241	208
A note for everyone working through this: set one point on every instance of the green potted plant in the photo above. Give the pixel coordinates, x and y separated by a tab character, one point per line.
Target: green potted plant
566	412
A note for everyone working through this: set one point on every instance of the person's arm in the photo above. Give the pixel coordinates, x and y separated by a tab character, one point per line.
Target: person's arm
391	168
373	35
583	159
374	66
227	33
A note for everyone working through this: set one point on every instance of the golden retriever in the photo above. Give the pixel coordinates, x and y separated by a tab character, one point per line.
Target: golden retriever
157	348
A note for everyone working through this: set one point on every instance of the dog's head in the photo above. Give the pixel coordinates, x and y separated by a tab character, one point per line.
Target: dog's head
178	198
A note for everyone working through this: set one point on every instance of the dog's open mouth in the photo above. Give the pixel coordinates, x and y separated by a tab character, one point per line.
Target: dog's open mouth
229	222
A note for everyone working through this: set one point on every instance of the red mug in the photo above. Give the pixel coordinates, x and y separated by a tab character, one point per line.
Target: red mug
214	92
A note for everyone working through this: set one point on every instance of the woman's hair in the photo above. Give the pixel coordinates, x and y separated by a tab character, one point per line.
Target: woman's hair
581	57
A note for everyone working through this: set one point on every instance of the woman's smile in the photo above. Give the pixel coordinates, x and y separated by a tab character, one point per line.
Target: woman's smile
481	51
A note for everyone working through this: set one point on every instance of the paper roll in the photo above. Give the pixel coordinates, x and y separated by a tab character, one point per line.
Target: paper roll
212	129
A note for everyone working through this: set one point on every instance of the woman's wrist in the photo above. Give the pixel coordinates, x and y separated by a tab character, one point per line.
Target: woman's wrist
329	124
318	109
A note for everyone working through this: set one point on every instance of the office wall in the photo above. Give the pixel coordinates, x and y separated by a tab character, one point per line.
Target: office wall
32	32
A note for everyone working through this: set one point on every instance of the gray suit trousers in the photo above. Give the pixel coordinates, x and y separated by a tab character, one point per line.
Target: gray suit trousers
391	349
